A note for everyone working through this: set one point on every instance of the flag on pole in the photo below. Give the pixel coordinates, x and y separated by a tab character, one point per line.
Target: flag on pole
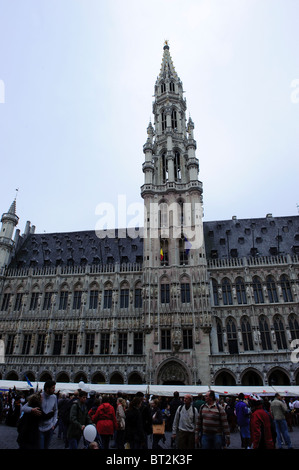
28	381
161	254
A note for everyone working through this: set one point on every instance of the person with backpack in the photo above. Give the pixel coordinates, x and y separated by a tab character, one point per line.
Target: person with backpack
185	425
213	424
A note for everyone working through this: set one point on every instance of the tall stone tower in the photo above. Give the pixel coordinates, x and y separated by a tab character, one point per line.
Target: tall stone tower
176	290
9	222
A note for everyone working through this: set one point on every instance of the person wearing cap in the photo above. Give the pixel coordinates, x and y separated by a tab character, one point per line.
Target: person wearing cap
260	425
279	410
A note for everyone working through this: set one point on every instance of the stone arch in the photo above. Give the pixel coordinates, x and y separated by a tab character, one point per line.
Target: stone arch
278	376
12	375
116	378
80	377
62	377
44	376
251	377
135	379
98	378
225	377
30	376
173	372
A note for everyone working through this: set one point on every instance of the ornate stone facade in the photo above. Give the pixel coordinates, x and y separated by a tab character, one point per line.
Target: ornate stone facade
185	302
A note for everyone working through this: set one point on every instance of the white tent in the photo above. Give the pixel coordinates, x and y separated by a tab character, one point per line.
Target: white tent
159	390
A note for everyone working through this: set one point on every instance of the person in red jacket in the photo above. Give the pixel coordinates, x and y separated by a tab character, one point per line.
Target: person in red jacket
105	420
260	425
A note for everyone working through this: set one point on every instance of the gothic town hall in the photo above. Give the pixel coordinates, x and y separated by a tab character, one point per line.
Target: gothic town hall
186	301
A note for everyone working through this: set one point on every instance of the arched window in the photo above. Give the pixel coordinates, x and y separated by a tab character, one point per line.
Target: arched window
257	290
171	87
185	290
177	167
265	333
227	292
164	291
215	292
163	87
174	122
164	252
286	288
246	334
164	168
294	326
232	338
163	120
241	291
124	295
271	288
107	295
219	335
183	251
280	333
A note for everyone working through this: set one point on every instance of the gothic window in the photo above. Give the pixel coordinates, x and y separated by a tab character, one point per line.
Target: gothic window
63	298
215	292
47	300
122	343
89	343
165	298
9	344
171	87
26	344
34	300
163	87
183	251
18	302
241	291
77	299
227	292
138	343
72	346
163	215
5	301
164	168
294	326
57	344
40	347
286	288
187	338
164	252
124	297
177	167
163	121
219	335
174	122
107	297
166	339
138	297
93	299
246	334
232	338
271	288
257	290
265	333
279	333
104	347
185	292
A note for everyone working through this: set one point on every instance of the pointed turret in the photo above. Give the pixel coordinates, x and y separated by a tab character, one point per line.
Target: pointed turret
9	221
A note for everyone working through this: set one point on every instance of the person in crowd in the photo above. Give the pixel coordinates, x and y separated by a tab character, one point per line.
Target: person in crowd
134	431
78	420
260	425
157	418
146	419
105	420
243	420
279	410
185	425
121	423
213	423
48	413
28	426
173	406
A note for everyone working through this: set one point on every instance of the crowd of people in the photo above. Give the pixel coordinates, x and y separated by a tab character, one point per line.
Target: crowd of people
140	422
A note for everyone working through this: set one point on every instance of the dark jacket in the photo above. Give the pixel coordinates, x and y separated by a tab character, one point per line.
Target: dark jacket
134	426
78	418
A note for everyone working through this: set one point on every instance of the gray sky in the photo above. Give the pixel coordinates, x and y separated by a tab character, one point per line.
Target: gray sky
76	90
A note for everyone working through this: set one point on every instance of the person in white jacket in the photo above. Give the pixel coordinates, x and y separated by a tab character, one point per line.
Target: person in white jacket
185	425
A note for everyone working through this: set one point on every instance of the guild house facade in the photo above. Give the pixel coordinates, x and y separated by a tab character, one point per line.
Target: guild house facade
186	301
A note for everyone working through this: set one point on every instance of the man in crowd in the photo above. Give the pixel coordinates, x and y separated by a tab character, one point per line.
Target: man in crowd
213	423
185	425
279	410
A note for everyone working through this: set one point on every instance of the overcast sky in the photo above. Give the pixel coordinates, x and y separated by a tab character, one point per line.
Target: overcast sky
76	90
